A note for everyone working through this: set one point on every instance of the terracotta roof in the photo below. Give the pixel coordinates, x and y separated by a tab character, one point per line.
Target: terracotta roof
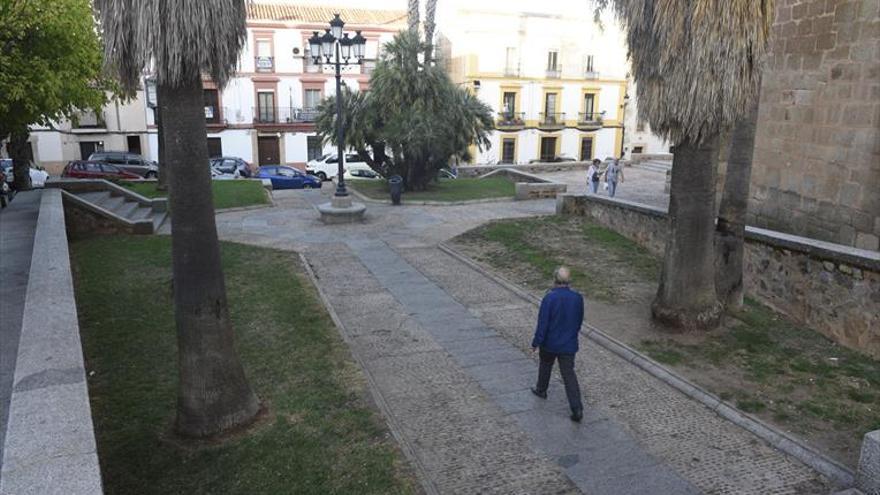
322	14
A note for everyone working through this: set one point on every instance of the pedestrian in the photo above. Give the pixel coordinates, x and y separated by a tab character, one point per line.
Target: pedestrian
556	339
613	175
593	174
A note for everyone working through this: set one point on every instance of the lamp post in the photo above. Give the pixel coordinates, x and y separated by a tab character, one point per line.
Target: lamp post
337	49
623	123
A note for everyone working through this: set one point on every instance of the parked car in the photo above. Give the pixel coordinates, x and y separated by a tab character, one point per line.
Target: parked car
327	167
230	167
85	169
38	176
130	162
4	189
284	177
555	159
360	170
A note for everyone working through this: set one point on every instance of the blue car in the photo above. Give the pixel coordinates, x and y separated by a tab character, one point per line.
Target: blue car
283	177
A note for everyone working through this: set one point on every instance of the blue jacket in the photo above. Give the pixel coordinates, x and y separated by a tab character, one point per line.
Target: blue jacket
559	321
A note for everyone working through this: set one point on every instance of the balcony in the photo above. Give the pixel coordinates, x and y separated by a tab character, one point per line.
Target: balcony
368	66
554	72
88	120
590	121
508	121
284	115
511	71
589	73
264	64
551	121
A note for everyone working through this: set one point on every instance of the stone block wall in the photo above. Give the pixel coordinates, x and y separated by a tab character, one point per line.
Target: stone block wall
817	152
831	288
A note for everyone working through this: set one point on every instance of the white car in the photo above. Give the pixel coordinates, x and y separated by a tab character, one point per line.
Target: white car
360	170
327	167
38	177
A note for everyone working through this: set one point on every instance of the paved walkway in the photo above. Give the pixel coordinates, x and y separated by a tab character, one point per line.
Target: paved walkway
446	349
18	223
641	185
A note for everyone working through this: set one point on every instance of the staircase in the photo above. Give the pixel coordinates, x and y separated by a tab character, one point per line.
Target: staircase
661	166
102	206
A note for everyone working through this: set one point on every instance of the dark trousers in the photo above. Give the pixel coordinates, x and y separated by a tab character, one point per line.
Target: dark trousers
566	369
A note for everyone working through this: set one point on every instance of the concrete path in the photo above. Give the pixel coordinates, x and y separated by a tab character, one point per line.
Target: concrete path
18	222
641	185
446	350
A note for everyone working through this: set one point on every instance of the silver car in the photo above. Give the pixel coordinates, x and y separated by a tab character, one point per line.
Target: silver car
130	162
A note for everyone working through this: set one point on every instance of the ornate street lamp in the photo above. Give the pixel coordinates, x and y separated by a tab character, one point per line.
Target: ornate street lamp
335	48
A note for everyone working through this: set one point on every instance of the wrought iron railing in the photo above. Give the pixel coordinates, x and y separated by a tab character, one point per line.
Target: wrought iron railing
264	64
554	72
588	117
284	115
510	119
551	119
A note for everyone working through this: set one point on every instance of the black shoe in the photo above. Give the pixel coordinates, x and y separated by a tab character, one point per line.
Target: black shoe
577	416
542	395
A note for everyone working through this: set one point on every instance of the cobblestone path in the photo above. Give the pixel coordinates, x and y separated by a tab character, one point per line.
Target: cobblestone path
446	350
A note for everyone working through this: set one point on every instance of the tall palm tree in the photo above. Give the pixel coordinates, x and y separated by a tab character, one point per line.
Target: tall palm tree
185	39
697	66
412	15
430	10
731	227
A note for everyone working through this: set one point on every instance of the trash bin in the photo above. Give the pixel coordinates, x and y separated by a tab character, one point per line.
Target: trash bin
395	186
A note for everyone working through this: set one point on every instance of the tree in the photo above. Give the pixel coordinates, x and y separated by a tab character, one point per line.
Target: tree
430	10
413	121
184	40
731	227
50	69
412	15
697	66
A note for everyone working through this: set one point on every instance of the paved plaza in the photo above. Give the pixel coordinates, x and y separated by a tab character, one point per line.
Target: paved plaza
445	350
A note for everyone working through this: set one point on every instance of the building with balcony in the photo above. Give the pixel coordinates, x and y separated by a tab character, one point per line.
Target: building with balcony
266	112
555	81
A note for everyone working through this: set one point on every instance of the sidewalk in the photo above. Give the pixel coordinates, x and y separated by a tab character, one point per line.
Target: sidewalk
445	349
18	221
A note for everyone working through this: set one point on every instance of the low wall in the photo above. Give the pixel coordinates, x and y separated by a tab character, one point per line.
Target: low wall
536	168
636	158
50	442
828	287
528	186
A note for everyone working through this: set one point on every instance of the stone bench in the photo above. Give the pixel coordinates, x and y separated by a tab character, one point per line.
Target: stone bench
537	190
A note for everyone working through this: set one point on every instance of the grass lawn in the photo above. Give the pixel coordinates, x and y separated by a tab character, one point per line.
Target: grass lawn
227	193
320	436
462	189
759	360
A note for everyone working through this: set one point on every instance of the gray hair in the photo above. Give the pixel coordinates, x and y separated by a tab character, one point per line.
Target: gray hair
562	276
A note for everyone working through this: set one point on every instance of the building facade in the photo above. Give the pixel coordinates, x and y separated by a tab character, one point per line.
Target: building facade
638	137
266	112
554	80
816	170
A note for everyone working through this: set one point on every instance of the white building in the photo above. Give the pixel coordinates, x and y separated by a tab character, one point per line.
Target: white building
266	112
554	79
638	138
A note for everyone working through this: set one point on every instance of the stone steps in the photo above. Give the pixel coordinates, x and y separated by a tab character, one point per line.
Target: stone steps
124	207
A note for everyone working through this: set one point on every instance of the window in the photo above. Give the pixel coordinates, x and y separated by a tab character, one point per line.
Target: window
95	167
638	149
640	125
110	169
552	59
311	99
89	119
586	149
264	62
508	150
589	105
212	106
286	172
588	65
266	106
509	102
313	148
134	144
511	62
309	62
548	148
215	147
550	105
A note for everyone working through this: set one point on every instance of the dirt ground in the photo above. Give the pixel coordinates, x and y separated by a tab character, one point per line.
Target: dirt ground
758	360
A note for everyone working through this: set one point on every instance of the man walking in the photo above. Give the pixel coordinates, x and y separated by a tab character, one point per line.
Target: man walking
613	174
556	338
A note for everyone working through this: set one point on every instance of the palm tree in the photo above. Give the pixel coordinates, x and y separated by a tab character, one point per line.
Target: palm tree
412	15
697	66
430	10
185	39
729	241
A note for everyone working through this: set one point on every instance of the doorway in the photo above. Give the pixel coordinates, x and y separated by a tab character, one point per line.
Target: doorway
586	149
134	144
267	150
548	148
86	148
215	147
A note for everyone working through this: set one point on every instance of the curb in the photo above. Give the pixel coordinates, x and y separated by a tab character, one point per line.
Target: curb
367	199
378	399
780	440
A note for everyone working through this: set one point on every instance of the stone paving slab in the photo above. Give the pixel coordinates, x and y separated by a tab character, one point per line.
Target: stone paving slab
711	453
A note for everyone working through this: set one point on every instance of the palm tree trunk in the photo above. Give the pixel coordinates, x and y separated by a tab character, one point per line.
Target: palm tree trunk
21	167
686	296
213	393
430	9
730	231
412	15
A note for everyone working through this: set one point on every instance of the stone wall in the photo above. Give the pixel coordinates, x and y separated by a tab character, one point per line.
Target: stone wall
817	151
828	287
537	168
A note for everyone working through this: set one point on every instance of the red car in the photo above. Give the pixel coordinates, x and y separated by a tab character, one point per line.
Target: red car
82	169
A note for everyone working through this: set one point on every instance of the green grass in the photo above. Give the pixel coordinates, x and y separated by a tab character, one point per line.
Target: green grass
462	189
319	437
227	193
